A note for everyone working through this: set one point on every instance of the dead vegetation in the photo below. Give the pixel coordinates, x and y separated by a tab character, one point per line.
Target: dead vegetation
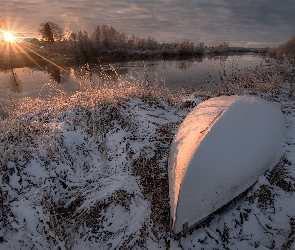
86	144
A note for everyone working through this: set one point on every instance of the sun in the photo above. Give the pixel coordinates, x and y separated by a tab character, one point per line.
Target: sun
8	36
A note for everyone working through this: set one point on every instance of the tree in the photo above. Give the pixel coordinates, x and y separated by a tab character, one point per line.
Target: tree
47	33
85	45
2	27
73	38
2	24
286	50
224	48
50	32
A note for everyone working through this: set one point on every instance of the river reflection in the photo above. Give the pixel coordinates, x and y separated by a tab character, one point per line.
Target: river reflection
17	83
14	82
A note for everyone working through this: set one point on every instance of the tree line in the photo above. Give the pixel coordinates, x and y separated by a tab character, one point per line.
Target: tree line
285	50
106	40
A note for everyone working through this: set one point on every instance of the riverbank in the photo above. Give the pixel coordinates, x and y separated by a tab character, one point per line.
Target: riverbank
26	54
90	170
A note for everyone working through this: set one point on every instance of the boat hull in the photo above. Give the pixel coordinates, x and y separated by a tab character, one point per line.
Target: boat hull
219	151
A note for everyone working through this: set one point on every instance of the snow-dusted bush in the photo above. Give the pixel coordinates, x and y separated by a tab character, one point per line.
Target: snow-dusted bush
273	78
286	50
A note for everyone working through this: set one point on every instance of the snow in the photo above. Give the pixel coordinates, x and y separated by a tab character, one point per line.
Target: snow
220	149
111	192
73	186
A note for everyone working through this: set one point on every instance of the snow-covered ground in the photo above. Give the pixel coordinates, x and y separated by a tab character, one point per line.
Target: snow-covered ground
90	172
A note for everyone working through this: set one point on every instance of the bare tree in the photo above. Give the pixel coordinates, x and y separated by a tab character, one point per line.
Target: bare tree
286	50
2	23
2	27
73	38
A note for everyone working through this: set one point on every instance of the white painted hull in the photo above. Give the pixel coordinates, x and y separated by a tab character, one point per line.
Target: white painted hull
219	151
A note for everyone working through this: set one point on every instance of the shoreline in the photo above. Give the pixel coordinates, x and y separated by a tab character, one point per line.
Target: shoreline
30	59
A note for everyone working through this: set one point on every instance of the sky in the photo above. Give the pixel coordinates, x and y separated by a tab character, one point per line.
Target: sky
248	23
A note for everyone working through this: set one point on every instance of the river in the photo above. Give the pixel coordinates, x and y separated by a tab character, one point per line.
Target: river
18	83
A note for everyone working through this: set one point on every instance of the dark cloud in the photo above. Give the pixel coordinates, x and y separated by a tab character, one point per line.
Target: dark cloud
251	22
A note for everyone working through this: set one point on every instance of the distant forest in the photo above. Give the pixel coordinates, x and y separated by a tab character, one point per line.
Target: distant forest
107	43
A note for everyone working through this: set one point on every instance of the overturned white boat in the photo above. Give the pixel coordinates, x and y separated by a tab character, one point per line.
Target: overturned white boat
219	151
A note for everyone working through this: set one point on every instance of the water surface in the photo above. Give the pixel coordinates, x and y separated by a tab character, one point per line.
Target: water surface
17	83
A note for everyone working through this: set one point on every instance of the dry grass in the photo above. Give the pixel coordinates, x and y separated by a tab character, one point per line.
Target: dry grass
32	131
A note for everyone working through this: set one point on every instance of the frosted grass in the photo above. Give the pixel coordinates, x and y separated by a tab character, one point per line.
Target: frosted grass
90	171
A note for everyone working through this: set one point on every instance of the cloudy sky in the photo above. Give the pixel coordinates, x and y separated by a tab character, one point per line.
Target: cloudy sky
254	23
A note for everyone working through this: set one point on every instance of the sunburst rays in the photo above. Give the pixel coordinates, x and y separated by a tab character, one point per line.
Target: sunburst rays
13	50
20	52
27	46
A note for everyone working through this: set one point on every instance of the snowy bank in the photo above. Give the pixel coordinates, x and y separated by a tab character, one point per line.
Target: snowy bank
91	171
